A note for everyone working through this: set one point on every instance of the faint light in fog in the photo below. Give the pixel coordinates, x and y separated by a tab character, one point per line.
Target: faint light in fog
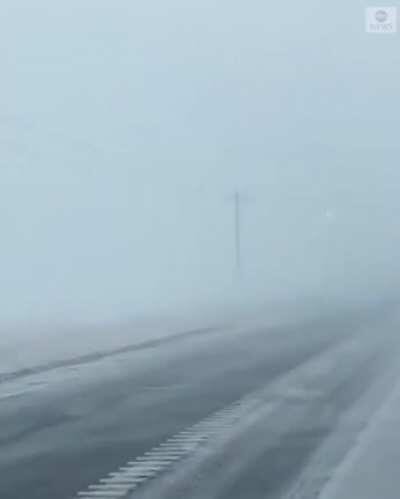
330	215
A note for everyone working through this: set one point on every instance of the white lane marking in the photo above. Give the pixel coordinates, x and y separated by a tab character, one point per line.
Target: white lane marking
100	495
159	455
113	486
120	484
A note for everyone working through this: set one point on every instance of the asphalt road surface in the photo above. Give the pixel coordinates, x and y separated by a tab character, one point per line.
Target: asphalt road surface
245	412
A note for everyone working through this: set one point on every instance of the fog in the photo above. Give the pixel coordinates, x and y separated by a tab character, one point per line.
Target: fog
126	127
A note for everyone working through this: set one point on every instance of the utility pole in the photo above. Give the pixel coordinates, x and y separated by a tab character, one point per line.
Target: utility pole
238	235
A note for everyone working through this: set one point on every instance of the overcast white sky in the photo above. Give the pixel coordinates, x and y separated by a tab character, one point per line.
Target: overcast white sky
125	126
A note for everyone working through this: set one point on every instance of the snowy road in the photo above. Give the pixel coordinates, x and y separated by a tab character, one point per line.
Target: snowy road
258	412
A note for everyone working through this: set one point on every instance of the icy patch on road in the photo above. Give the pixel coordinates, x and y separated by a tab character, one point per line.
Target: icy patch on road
189	447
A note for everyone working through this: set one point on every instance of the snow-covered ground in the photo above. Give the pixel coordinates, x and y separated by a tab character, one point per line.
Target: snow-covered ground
34	345
371	469
24	347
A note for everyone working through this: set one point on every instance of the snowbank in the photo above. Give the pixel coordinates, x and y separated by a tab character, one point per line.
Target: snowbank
371	469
